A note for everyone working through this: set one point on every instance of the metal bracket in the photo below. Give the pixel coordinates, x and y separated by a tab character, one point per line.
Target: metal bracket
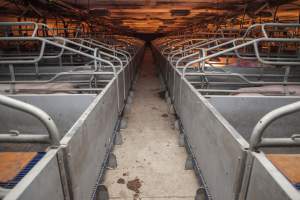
201	194
189	165
123	124
112	161
118	139
102	193
181	140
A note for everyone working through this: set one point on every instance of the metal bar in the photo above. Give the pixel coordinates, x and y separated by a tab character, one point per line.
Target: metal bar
24	138
39	114
256	139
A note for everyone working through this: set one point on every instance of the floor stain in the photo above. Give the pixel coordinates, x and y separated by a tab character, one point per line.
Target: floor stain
136	196
161	94
165	115
134	185
121	181
126	174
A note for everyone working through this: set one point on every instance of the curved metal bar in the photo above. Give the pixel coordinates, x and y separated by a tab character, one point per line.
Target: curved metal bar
59	54
256	139
103	53
193	54
278	61
39	114
191	47
185	57
233	42
122	52
263	27
58	75
24	138
181	43
95	42
35	60
36	26
240	76
167	45
251	42
65	41
65	47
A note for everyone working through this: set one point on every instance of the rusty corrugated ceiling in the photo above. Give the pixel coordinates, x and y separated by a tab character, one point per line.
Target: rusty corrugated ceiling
161	16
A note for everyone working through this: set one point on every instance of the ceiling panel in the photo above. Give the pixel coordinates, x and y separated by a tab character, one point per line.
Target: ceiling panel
161	16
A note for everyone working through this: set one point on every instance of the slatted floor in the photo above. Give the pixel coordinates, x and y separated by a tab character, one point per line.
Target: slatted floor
289	165
15	165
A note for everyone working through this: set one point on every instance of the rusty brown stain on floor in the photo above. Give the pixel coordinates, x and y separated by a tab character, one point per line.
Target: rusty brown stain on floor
134	185
121	181
126	174
165	115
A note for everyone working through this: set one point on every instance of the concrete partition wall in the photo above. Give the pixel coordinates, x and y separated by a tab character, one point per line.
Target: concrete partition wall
86	144
219	150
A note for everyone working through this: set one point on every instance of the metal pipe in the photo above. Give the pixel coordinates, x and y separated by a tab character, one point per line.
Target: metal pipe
244	45
24	138
22	23
59	75
256	139
39	114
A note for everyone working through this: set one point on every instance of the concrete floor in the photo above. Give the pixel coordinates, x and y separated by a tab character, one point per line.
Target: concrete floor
150	152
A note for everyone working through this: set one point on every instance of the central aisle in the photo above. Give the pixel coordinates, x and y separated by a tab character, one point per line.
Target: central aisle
150	162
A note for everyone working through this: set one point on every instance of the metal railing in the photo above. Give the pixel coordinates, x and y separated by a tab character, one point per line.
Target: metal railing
53	136
257	140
